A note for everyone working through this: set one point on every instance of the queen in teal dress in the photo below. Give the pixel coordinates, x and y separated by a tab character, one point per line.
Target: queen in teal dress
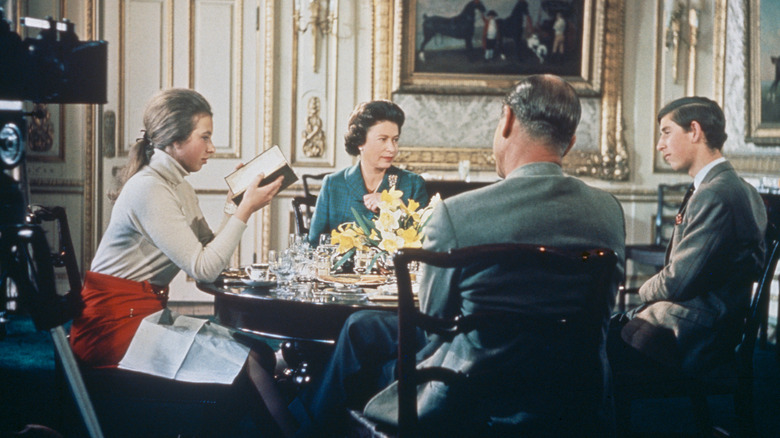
373	132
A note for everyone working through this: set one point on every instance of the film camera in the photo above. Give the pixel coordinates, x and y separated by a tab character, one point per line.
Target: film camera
55	68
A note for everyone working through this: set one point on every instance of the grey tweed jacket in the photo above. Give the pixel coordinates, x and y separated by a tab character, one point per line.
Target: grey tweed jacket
694	307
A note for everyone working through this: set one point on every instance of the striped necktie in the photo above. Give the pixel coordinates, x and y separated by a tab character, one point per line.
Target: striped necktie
678	220
681	211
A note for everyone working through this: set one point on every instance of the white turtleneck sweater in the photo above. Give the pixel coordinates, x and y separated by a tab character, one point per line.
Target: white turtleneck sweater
157	228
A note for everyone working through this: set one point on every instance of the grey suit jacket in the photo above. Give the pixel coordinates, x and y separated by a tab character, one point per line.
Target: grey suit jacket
535	204
694	307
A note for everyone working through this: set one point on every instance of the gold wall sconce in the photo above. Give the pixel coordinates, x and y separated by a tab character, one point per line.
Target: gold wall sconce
327	25
675	19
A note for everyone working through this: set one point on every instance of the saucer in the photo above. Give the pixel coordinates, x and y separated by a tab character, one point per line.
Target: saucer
258	283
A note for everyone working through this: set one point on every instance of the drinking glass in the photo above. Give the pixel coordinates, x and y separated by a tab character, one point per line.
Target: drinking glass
362	261
283	266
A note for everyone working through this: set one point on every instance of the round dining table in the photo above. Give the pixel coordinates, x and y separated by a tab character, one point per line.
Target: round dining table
318	317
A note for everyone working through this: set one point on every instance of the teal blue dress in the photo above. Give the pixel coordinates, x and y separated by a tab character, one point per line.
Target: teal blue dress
343	190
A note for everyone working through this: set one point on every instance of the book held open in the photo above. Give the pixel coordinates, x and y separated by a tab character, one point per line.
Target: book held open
271	163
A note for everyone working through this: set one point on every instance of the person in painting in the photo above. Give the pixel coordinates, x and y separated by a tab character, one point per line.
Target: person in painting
692	311
535	203
559	29
156	230
490	34
773	88
372	135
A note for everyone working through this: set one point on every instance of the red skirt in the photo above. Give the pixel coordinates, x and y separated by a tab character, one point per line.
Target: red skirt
113	310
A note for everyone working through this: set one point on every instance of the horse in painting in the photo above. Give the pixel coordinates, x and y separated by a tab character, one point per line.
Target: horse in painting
460	26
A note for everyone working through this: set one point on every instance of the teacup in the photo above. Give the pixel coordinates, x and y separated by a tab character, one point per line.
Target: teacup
257	271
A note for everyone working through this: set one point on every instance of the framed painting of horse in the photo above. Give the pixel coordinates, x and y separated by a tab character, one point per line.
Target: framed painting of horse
764	79
484	46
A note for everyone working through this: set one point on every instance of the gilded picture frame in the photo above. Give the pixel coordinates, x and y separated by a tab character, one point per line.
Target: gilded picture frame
604	83
763	73
504	40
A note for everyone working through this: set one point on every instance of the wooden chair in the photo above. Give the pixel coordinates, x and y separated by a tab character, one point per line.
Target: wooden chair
114	401
554	368
654	253
303	208
306	178
739	383
448	188
772	204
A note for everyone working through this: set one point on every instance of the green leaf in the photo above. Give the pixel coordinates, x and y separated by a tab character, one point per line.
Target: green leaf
373	261
362	222
347	255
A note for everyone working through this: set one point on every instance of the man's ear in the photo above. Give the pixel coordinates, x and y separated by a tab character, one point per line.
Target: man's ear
697	134
509	120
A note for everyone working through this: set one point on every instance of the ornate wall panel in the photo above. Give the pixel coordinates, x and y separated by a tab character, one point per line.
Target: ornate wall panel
216	40
145	59
314	73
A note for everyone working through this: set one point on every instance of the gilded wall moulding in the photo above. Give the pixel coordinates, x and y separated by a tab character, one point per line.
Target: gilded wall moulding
430	158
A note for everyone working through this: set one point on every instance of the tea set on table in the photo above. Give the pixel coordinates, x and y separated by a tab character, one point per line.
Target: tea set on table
302	273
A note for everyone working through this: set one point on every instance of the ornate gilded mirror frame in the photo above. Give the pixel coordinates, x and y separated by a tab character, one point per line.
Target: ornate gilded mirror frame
608	162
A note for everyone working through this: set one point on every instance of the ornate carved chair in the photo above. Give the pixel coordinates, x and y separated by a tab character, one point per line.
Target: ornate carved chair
303	208
738	382
307	178
552	326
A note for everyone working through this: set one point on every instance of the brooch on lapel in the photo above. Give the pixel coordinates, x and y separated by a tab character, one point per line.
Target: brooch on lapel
678	219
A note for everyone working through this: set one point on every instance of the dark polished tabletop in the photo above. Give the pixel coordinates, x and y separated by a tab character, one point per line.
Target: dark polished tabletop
259	311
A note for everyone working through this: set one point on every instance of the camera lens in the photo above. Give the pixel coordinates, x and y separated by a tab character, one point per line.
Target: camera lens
11	145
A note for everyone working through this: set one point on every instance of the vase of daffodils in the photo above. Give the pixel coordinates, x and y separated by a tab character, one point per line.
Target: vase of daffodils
397	225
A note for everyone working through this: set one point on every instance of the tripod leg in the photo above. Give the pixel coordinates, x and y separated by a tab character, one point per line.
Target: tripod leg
79	390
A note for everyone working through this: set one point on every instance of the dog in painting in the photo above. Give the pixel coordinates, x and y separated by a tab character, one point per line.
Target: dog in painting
536	46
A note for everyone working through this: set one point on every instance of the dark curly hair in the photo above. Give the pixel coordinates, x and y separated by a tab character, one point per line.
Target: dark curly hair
366	115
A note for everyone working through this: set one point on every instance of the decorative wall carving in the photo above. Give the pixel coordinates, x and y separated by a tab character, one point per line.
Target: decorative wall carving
40	132
313	135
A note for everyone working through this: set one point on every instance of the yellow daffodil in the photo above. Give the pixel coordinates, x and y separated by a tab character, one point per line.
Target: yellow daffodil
411	238
386	221
348	236
397	225
390	199
391	243
412	207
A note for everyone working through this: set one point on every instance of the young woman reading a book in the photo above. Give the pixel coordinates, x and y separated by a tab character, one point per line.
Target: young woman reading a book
372	135
156	230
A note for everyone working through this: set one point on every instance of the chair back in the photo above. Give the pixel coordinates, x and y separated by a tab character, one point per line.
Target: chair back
573	287
669	201
37	260
759	305
448	188
306	178
302	210
64	254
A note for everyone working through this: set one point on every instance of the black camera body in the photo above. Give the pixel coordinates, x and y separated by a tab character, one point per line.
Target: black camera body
54	68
